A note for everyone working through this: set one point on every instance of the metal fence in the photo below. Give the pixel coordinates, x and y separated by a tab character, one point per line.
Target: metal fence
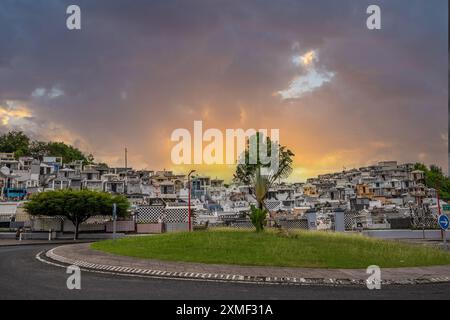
294	224
350	219
241	224
424	222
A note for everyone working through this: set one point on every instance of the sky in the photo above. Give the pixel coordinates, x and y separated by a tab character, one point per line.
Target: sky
342	96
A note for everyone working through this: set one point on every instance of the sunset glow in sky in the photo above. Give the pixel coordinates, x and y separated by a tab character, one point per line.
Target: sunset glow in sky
341	95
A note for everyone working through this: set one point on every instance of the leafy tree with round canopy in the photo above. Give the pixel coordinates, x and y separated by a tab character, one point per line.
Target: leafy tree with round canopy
76	206
15	142
435	178
20	144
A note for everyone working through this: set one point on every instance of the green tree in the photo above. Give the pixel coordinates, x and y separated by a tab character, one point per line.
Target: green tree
249	173
434	178
76	206
436	170
20	144
90	159
420	166
102	164
38	149
15	142
67	152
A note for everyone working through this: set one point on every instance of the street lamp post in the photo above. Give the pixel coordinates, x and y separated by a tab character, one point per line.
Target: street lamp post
189	198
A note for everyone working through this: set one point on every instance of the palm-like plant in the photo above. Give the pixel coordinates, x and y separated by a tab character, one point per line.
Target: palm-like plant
258	218
258	214
261	185
250	174
245	171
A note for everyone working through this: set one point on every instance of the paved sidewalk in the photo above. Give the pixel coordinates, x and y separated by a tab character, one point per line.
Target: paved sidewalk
83	256
426	242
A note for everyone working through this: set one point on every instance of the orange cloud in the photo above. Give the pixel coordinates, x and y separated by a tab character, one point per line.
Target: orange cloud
13	112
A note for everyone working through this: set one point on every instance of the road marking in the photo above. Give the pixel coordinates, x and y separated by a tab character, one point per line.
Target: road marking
159	274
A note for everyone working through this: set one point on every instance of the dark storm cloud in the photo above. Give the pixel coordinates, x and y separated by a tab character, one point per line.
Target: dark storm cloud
139	69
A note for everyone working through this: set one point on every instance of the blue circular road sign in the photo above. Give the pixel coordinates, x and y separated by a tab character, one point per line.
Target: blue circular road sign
443	222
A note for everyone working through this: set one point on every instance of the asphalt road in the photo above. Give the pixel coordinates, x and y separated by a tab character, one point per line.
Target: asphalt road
24	277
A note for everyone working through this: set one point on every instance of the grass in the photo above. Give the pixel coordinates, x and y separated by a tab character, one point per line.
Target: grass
300	249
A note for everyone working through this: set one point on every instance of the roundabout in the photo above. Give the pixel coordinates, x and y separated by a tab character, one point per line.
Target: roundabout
22	276
93	260
303	258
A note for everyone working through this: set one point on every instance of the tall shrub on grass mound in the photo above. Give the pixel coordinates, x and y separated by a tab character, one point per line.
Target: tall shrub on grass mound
248	172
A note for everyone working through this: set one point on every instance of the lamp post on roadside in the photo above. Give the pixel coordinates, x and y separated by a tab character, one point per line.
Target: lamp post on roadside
189	198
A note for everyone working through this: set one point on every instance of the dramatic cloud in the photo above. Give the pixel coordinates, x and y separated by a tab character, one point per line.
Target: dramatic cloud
305	60
312	80
13	114
137	70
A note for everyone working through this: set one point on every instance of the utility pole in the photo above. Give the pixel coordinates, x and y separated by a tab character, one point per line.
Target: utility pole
189	200
126	170
443	232
126	159
114	216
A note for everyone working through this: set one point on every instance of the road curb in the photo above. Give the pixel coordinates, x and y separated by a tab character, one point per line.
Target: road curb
236	278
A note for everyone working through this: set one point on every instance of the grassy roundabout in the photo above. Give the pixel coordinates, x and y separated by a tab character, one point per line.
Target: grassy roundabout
299	249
